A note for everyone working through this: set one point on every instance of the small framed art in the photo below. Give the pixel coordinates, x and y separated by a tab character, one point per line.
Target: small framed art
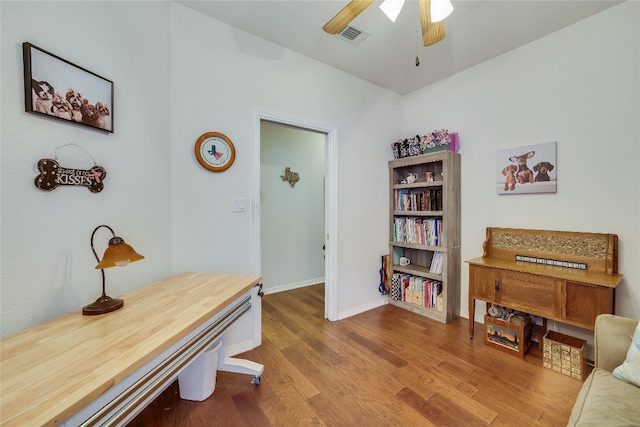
56	88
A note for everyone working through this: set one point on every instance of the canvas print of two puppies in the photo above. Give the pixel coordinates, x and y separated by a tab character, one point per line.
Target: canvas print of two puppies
67	92
528	169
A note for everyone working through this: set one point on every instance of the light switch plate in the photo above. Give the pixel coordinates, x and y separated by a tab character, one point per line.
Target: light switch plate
240	205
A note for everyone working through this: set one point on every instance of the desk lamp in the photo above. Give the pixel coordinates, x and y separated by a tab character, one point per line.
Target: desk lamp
118	253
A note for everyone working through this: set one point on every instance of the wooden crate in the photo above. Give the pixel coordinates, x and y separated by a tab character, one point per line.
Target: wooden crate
506	336
564	354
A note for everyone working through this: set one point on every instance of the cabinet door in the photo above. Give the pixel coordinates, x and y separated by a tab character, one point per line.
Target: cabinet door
538	295
586	302
483	281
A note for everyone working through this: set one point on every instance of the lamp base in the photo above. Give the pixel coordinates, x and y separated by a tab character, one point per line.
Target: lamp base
102	305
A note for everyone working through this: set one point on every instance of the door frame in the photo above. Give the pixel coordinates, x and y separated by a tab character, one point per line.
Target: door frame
331	198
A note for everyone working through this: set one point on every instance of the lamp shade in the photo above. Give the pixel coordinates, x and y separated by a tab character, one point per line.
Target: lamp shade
118	253
392	8
440	9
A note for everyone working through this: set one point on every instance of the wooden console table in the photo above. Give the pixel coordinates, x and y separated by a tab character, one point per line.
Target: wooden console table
103	370
540	272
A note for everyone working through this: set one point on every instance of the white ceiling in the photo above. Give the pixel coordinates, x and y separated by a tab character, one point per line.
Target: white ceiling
476	31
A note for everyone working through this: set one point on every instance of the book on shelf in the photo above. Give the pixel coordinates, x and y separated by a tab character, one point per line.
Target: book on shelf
437	263
395	293
423	231
424	201
429	199
416	290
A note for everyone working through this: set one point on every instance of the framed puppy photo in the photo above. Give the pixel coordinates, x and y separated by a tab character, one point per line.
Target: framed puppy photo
56	88
527	169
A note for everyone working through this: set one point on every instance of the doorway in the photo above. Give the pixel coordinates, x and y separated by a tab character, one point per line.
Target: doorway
326	235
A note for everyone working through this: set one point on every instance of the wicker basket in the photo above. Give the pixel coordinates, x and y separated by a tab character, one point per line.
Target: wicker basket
564	354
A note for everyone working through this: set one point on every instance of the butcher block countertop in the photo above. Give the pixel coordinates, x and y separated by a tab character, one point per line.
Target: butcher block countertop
53	370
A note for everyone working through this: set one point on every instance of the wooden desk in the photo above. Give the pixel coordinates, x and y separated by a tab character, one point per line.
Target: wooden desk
556	292
101	370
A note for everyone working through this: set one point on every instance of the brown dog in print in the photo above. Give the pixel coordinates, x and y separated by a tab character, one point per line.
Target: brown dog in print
524	173
510	180
542	170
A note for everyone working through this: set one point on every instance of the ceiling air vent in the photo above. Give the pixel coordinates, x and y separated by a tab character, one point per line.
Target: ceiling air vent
352	34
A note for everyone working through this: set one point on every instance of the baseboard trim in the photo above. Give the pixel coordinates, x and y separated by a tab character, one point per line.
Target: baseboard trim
382	300
290	286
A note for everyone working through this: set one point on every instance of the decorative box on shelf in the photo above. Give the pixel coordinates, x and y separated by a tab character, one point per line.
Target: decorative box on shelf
438	140
564	354
508	337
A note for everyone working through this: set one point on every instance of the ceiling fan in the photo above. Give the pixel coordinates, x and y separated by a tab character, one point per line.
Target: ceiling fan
432	32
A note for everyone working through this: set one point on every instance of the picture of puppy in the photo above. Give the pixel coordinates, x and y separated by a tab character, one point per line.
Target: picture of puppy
510	180
60	107
511	171
543	168
524	173
44	95
103	112
75	99
89	113
44	72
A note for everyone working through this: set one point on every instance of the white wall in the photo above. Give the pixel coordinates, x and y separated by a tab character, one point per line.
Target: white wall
179	74
47	267
291	218
219	76
579	87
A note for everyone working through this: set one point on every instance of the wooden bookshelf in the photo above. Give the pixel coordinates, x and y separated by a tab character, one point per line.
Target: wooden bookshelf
434	205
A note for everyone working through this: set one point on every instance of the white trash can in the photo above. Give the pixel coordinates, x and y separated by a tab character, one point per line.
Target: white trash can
198	380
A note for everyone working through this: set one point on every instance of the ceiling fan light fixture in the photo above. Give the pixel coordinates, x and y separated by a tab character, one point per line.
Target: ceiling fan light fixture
440	9
392	8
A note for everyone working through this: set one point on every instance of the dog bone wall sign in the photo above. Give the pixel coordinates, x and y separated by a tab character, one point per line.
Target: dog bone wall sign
53	175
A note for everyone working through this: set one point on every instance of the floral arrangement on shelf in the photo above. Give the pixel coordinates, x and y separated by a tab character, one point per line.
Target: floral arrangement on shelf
438	140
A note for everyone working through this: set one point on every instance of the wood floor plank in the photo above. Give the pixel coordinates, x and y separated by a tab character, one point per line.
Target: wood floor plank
439	411
452	392
378	349
302	328
286	373
250	411
347	395
384	367
293	414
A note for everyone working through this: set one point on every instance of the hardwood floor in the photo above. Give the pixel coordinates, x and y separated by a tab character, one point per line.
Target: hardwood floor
384	367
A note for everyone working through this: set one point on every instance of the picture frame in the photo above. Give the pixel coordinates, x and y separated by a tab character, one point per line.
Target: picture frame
58	89
527	169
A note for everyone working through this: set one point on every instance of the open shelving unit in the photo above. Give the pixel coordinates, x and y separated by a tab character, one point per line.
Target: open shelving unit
424	221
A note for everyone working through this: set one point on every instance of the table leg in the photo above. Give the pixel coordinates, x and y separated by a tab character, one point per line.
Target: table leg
472	315
239	366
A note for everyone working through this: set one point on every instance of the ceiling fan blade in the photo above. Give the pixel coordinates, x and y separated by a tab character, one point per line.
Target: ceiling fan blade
346	15
432	32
